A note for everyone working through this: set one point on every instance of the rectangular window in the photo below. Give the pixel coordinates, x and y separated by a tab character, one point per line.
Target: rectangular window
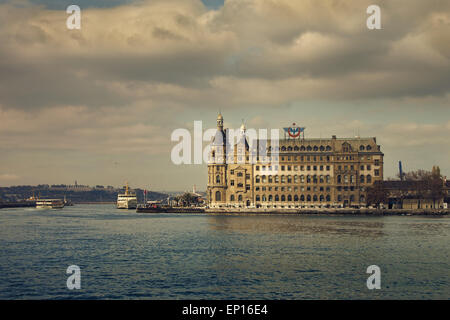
377	172
232	182
377	162
368	167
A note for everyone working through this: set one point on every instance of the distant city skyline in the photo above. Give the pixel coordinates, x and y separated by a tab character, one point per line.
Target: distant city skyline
98	105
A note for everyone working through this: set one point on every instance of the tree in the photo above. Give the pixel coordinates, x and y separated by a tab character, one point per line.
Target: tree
436	185
377	194
186	199
427	184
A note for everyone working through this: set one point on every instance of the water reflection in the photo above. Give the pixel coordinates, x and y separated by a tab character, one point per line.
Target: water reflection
273	224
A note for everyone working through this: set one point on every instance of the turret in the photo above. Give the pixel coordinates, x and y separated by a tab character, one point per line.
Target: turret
220	122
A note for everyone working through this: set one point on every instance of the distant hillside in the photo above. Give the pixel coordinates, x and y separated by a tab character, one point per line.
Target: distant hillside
87	194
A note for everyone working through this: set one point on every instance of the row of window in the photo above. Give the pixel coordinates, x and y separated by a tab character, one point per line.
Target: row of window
294	168
289	197
295	179
312	167
311	179
303	188
317	148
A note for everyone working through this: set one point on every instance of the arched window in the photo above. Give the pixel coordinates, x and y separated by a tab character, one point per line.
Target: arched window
321	198
270	179
277	198
361	148
296	198
345	178
314	179
289	148
308	148
283	148
369	178
264	198
270	198
328	198
296	148
328	179
302	178
308	198
263	179
322	148
328	148
240	197
315	198
361	179
283	198
321	179
217	179
308	179
289	198
316	148
217	195
368	148
362	199
289	179
302	148
232	197
277	180
283	179
295	179
258	198
302	198
352	179
257	179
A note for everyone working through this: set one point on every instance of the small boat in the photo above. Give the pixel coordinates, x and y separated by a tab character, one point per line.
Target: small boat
127	200
49	204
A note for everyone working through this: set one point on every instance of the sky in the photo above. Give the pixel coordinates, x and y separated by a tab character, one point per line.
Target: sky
99	105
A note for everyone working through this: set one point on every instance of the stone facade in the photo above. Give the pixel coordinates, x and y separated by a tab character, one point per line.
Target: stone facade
307	173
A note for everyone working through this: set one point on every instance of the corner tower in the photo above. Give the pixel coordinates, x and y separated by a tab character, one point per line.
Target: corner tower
217	167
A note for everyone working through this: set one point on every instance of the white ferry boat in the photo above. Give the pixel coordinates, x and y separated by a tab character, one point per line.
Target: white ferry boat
126	200
49	204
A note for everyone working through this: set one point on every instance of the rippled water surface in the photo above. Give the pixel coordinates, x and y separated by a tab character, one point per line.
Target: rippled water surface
126	255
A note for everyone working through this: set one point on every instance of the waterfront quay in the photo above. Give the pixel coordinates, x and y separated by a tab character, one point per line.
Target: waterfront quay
333	211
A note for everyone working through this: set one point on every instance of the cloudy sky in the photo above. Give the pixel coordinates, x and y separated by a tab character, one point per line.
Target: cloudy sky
98	105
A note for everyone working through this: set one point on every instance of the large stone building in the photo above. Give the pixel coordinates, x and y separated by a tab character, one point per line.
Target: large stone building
303	173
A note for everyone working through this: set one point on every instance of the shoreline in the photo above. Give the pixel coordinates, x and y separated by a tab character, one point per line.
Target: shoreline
335	212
